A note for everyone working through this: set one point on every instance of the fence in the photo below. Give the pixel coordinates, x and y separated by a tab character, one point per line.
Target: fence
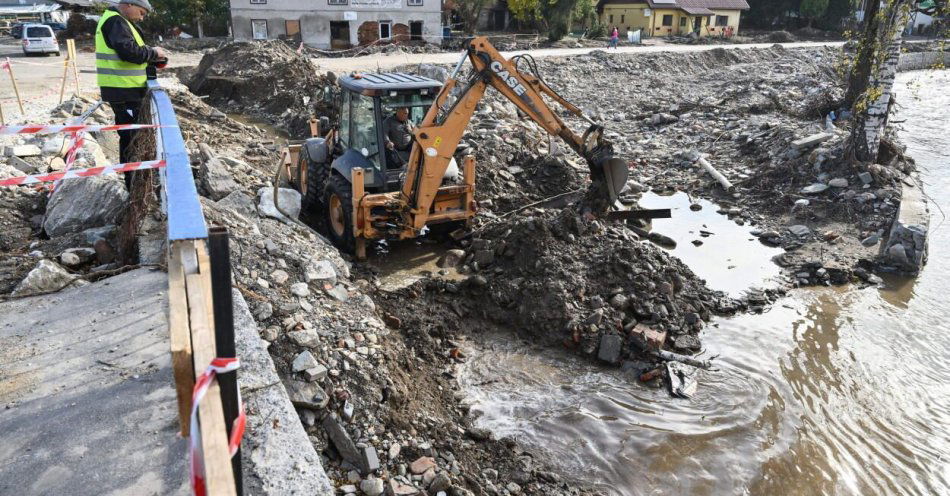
200	318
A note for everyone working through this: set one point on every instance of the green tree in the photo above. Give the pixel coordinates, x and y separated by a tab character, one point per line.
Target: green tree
559	15
813	9
525	10
197	17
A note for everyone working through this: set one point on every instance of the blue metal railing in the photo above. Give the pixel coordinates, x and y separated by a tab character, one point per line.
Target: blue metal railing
179	194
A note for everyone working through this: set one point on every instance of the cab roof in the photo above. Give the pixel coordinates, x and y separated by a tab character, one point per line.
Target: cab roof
374	84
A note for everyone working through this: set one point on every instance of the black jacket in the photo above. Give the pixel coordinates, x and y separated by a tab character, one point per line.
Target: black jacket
118	36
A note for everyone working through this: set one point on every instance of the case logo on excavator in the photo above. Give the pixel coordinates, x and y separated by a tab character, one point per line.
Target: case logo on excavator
510	80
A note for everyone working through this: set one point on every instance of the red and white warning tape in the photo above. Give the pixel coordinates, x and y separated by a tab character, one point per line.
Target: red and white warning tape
217	366
50	129
93	171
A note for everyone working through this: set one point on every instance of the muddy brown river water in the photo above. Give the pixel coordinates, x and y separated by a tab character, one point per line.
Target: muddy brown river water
832	391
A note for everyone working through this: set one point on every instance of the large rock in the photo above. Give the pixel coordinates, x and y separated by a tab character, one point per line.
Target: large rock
82	203
434	72
238	202
46	276
288	199
217	179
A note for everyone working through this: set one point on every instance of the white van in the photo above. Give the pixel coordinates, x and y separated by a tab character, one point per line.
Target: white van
39	38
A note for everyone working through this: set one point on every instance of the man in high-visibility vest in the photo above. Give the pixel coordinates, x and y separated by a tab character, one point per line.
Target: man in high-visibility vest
121	62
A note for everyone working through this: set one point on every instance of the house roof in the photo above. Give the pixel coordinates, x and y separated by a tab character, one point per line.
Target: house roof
39	8
694	7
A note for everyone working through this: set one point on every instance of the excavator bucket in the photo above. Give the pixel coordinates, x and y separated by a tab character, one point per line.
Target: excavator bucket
615	176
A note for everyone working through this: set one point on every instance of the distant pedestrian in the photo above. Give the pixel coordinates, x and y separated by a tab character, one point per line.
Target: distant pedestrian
614	37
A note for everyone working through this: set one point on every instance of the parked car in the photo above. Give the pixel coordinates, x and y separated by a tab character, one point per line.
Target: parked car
39	38
16	30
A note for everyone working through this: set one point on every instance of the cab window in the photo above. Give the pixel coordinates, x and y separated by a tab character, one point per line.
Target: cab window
344	132
364	134
418	106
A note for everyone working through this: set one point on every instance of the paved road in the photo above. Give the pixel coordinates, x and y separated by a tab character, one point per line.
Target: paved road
385	62
86	399
40	77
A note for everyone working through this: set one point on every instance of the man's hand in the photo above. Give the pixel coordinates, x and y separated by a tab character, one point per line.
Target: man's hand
390	145
160	53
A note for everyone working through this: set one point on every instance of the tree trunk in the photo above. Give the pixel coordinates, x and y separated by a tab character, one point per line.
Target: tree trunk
871	106
861	70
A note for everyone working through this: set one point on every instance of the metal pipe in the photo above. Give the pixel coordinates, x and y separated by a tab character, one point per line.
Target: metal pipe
458	67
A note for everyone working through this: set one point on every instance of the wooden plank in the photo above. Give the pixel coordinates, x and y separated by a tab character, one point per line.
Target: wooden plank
219	478
179	333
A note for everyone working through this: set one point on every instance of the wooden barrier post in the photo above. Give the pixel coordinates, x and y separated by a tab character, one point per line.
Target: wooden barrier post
71	49
218	248
3	121
16	89
180	333
62	88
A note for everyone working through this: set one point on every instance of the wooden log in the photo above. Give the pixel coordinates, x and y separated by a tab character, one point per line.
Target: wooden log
716	174
219	478
16	89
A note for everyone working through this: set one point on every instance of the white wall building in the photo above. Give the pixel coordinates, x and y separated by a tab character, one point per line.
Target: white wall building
337	23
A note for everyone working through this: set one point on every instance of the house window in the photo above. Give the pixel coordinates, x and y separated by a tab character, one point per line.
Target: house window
621	18
385	30
337	2
259	29
415	3
258	2
611	18
668	20
722	20
682	22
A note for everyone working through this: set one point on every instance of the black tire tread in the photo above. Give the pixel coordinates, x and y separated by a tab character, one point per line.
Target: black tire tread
339	185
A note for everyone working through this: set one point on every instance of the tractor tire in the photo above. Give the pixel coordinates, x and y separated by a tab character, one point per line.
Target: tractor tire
316	181
338	201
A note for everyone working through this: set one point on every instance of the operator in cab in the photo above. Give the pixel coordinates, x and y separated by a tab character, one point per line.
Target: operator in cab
397	129
122	61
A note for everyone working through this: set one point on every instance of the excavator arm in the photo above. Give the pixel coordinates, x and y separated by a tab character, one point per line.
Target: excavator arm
440	131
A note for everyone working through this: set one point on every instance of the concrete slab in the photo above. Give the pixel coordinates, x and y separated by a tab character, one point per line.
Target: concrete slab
86	398
906	244
278	457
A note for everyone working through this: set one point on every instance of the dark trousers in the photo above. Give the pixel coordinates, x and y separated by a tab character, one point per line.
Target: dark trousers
126	113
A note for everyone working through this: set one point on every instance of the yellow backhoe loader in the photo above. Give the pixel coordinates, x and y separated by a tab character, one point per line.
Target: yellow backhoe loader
361	191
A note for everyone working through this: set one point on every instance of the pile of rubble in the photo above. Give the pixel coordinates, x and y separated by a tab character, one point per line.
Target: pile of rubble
52	241
236	77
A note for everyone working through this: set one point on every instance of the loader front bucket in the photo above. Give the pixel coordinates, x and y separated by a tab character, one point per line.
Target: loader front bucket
615	176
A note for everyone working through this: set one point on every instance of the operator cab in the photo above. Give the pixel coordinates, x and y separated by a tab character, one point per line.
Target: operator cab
367	101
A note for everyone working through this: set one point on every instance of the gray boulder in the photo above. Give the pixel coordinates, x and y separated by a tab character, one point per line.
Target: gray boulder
217	179
288	199
46	276
83	203
238	202
434	72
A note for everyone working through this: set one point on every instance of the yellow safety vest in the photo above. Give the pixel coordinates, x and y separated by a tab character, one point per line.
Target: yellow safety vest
111	71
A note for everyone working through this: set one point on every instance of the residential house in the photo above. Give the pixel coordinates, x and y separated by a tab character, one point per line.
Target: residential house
673	17
337	23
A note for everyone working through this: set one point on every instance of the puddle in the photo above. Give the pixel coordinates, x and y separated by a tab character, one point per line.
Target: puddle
402	263
730	258
279	136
